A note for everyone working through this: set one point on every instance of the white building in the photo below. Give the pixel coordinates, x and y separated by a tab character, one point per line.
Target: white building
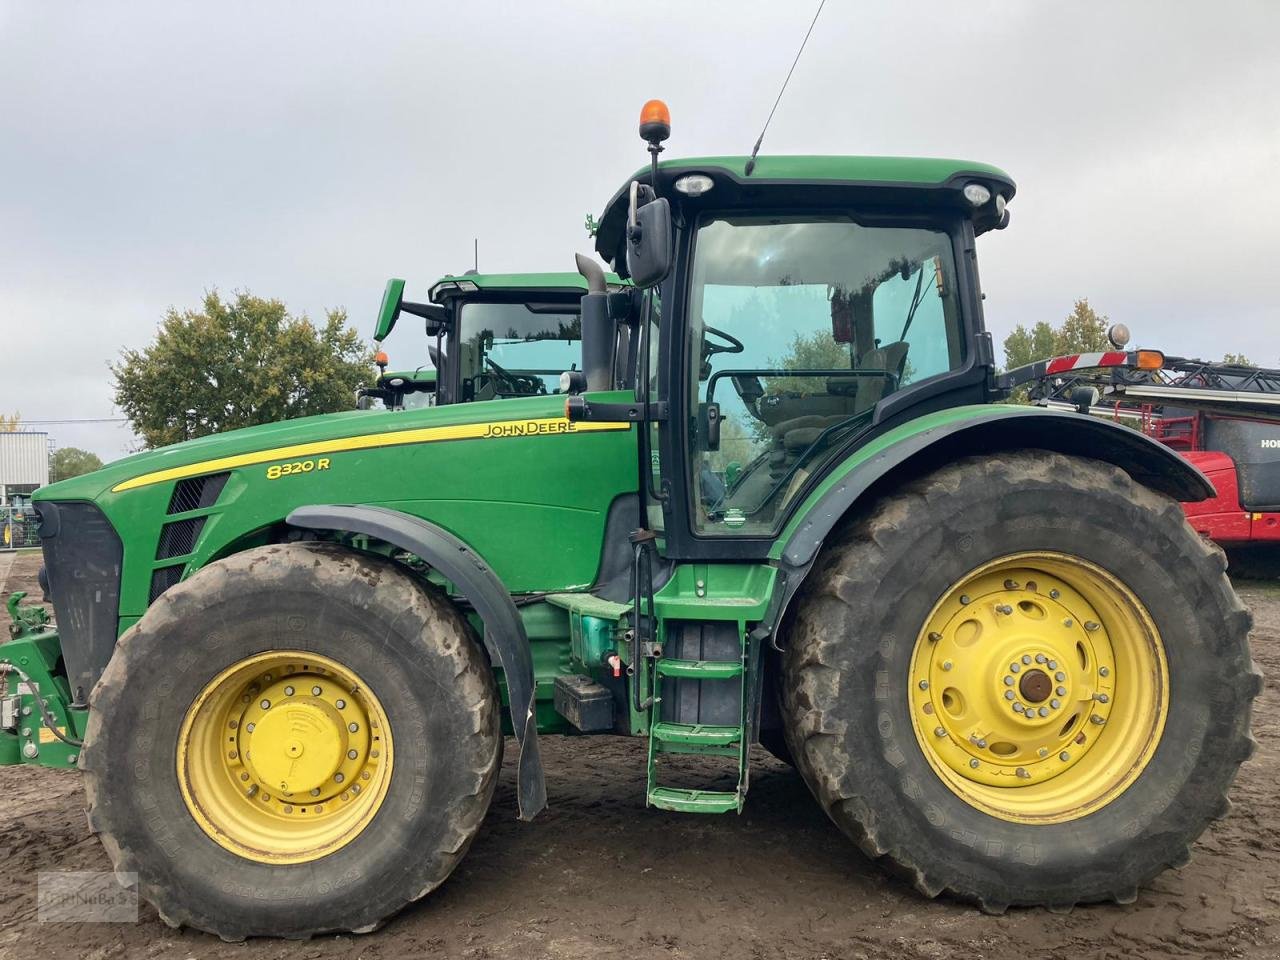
24	464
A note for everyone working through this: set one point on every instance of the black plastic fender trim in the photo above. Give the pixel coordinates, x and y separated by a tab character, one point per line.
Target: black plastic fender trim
1149	462
503	629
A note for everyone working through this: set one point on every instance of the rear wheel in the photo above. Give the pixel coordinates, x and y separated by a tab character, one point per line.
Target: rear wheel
298	739
1022	679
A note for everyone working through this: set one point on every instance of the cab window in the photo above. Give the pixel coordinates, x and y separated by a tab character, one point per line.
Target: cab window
516	349
799	326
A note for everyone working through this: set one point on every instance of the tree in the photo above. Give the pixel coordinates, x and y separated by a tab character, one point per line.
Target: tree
68	462
10	424
1083	331
1239	359
237	363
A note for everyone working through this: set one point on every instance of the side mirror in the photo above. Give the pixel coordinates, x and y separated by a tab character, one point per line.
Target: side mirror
389	312
648	237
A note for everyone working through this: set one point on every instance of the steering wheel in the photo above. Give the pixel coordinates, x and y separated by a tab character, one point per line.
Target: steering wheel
515	382
709	350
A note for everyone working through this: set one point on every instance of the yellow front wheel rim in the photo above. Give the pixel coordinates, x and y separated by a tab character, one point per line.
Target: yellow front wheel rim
284	757
1039	688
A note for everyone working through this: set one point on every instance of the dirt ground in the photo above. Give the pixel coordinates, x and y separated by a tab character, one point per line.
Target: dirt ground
597	875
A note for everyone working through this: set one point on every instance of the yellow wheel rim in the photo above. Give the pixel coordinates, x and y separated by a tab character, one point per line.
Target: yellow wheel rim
284	757
1039	688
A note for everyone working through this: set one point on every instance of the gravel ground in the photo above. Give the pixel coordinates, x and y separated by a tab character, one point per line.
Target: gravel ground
599	876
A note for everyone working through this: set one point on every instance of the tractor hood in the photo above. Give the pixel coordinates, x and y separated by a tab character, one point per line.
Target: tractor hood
290	440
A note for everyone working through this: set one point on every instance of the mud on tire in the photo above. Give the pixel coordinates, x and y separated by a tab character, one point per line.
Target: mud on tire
412	649
847	712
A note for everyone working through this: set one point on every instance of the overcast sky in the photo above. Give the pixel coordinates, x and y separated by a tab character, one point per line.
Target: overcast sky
308	151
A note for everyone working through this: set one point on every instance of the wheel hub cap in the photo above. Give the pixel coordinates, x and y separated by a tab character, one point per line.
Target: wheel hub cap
1014	680
284	757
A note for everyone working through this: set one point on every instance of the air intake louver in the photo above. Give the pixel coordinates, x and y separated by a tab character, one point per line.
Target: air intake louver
196	493
163	579
178	538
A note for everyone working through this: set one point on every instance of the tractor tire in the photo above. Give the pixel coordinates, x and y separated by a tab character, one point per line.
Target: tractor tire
894	681
371	672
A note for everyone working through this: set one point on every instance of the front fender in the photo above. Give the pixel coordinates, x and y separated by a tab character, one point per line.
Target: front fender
928	442
503	629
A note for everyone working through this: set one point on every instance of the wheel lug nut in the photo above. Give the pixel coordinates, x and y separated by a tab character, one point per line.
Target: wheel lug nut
924	685
1095	719
1060	676
1043	711
1019	708
266	704
288	691
1104	672
1011	584
1008	694
1004	608
964	598
315	791
1064	756
1054	594
1055	704
340	704
338	778
1008	681
982	744
1101	697
1015	667
974	763
249	727
1061	691
1068	622
315	691
1026	658
1041	658
1090	625
1022	774
351	754
946	664
353	727
934	637
1052	664
939	732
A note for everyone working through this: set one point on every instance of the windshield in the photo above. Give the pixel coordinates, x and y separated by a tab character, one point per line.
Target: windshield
517	349
799	326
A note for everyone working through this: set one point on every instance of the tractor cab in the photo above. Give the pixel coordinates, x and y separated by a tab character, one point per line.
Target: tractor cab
800	306
490	337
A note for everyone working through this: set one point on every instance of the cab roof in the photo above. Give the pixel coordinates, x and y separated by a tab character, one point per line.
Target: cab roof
876	181
461	284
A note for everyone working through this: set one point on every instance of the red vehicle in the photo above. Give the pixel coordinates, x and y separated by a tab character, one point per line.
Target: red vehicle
1224	418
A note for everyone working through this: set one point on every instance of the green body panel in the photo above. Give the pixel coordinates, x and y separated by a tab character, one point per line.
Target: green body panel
535	509
920	425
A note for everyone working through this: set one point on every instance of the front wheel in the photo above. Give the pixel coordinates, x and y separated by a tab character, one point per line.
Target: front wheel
1023	679
298	739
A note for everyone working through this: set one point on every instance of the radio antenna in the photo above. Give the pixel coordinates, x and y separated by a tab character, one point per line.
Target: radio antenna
751	162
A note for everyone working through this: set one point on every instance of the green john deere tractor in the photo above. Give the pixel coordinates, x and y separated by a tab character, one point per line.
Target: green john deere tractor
778	502
513	335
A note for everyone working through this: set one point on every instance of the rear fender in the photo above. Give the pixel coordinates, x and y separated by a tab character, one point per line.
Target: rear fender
927	443
504	632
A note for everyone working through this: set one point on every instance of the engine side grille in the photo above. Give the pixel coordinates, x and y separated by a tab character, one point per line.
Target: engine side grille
178	538
164	578
195	493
